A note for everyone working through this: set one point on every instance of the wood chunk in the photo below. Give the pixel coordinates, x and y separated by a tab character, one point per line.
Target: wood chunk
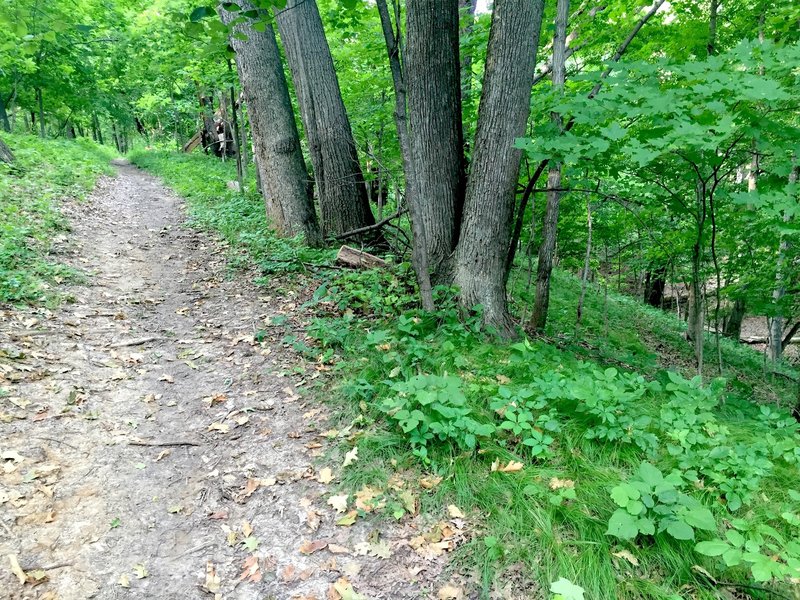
358	259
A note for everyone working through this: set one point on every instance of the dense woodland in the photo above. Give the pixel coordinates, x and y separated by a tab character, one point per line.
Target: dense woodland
621	149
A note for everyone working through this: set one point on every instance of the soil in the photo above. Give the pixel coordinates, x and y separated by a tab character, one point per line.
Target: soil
147	432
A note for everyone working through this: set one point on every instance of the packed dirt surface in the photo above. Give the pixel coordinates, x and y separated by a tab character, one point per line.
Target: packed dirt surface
157	441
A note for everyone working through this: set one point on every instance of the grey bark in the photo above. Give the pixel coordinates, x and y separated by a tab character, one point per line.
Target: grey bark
276	142
337	172
4	114
775	348
502	116
419	247
40	103
6	155
434	122
547	248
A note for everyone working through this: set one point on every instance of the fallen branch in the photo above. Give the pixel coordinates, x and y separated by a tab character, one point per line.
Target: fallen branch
358	258
377	225
137	342
165	444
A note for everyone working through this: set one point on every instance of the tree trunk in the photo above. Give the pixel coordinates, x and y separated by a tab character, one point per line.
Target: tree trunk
502	116
436	141
419	253
3	115
283	173
733	325
40	103
337	172
695	313
775	349
655	283
6	155
547	248
239	163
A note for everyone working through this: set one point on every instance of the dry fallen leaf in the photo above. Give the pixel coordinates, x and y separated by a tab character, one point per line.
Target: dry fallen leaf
502	379
348	519
337	549
16	569
511	467
251	571
140	571
221	427
338	502
430	482
325	475
212	583
313	519
163	454
627	556
455	512
350	457
247	529
124	580
557	484
313	546
345	590
450	592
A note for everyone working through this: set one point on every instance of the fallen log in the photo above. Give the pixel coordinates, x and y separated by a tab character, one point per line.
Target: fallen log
194	142
357	259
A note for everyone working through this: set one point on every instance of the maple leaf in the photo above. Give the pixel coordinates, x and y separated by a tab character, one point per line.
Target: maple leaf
124	580
251	543
430	482
348	519
140	571
345	590
325	475
251	571
338	502
212	583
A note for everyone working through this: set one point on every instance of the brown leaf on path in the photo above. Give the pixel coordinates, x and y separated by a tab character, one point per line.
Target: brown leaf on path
337	549
251	571
348	519
313	546
313	519
124	580
325	475
430	481
286	574
369	499
219	515
162	454
250	487
450	592
247	529
338	502
16	569
212	583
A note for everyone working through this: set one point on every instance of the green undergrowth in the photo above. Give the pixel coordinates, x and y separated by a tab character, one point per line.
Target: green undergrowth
587	455
45	173
238	218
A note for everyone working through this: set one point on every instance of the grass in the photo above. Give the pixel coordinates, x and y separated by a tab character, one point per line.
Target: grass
525	530
45	173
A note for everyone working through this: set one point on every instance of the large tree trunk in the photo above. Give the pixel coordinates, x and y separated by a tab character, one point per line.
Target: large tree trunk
435	136
337	172
419	254
6	155
733	325
40	103
547	248
655	283
290	207
502	116
3	115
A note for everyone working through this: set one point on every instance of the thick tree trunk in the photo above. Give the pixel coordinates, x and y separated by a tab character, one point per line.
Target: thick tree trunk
436	141
547	248
277	144
655	283
419	254
40	103
337	172
733	325
502	116
4	115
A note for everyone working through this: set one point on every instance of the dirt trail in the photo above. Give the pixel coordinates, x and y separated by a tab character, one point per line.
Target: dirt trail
143	420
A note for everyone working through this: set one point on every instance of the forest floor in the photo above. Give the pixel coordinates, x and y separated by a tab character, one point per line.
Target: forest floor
158	442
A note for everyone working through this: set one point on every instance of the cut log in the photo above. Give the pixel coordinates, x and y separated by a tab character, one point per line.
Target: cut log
357	259
194	142
6	155
762	339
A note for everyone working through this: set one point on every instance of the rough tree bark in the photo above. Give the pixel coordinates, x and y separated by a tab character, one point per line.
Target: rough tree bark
284	178
4	114
419	254
337	172
6	155
40	104
436	140
503	113
550	228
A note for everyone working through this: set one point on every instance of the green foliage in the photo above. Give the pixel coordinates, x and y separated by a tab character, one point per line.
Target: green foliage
44	174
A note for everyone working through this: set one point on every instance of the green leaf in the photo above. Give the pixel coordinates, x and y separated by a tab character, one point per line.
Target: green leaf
567	590
680	530
712	547
701	518
622	525
201	12
762	570
623	493
732	557
650	474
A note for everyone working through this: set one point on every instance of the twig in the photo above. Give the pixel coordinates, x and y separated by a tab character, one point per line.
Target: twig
377	225
168	443
137	342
